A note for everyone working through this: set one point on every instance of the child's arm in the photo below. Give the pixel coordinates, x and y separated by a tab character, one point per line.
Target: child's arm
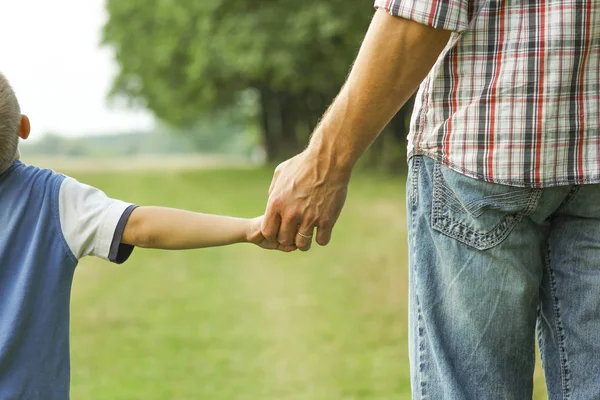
92	224
173	229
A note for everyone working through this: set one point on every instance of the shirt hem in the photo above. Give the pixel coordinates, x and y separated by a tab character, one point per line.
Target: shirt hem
423	18
106	230
508	182
119	252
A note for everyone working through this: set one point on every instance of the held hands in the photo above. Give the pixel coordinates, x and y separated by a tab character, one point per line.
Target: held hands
255	236
307	192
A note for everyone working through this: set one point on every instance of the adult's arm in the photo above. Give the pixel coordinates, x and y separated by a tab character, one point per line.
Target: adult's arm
310	189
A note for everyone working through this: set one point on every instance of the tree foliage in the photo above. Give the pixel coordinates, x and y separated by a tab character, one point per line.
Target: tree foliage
187	59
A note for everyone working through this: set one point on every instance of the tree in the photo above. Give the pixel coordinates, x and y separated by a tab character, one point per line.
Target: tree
277	63
183	60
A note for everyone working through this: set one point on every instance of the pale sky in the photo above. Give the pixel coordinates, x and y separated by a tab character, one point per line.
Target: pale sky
49	51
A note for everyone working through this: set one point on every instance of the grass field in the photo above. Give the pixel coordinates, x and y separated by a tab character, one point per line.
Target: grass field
239	322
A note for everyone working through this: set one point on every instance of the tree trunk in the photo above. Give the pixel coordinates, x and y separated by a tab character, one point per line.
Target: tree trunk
289	124
270	134
279	122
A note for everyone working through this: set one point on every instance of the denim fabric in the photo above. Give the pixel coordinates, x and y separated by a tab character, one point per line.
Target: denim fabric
489	263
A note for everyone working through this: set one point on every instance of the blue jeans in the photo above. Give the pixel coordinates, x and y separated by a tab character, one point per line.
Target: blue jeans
490	264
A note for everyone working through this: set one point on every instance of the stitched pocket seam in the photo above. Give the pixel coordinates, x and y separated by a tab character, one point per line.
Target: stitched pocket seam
444	197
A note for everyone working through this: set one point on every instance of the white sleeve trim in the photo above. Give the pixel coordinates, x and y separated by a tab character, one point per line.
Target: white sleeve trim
88	218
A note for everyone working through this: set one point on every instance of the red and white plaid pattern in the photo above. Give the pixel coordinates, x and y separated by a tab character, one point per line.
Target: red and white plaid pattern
515	96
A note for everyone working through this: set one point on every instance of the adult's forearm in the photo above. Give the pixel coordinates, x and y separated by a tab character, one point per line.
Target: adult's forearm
395	57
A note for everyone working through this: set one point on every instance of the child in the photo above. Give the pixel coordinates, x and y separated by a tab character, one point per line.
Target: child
50	222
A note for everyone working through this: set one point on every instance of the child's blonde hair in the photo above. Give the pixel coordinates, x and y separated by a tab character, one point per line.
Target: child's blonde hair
10	119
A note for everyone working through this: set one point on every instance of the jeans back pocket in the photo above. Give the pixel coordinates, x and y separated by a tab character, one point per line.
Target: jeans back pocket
477	213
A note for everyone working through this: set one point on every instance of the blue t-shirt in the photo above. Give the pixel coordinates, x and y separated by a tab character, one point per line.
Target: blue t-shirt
49	222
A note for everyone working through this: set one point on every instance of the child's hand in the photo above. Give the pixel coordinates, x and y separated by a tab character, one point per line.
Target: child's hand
254	235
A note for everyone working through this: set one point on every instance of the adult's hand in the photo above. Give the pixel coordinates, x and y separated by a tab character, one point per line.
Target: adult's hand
307	192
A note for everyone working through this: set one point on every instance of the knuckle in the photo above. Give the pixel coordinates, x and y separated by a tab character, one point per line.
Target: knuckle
275	202
295	214
280	167
325	222
292	214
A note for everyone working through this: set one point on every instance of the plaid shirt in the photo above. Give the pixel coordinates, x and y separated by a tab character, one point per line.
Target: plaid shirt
514	98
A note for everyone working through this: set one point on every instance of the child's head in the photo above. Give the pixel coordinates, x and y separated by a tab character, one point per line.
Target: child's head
12	124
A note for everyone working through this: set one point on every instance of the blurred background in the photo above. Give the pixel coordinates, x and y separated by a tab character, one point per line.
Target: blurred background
191	104
243	79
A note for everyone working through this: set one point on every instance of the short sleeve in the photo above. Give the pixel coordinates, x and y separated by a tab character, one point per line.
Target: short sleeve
452	15
92	223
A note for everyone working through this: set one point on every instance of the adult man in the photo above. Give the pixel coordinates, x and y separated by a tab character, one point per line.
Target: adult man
504	222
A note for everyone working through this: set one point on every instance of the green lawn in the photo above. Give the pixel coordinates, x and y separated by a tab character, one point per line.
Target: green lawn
240	322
